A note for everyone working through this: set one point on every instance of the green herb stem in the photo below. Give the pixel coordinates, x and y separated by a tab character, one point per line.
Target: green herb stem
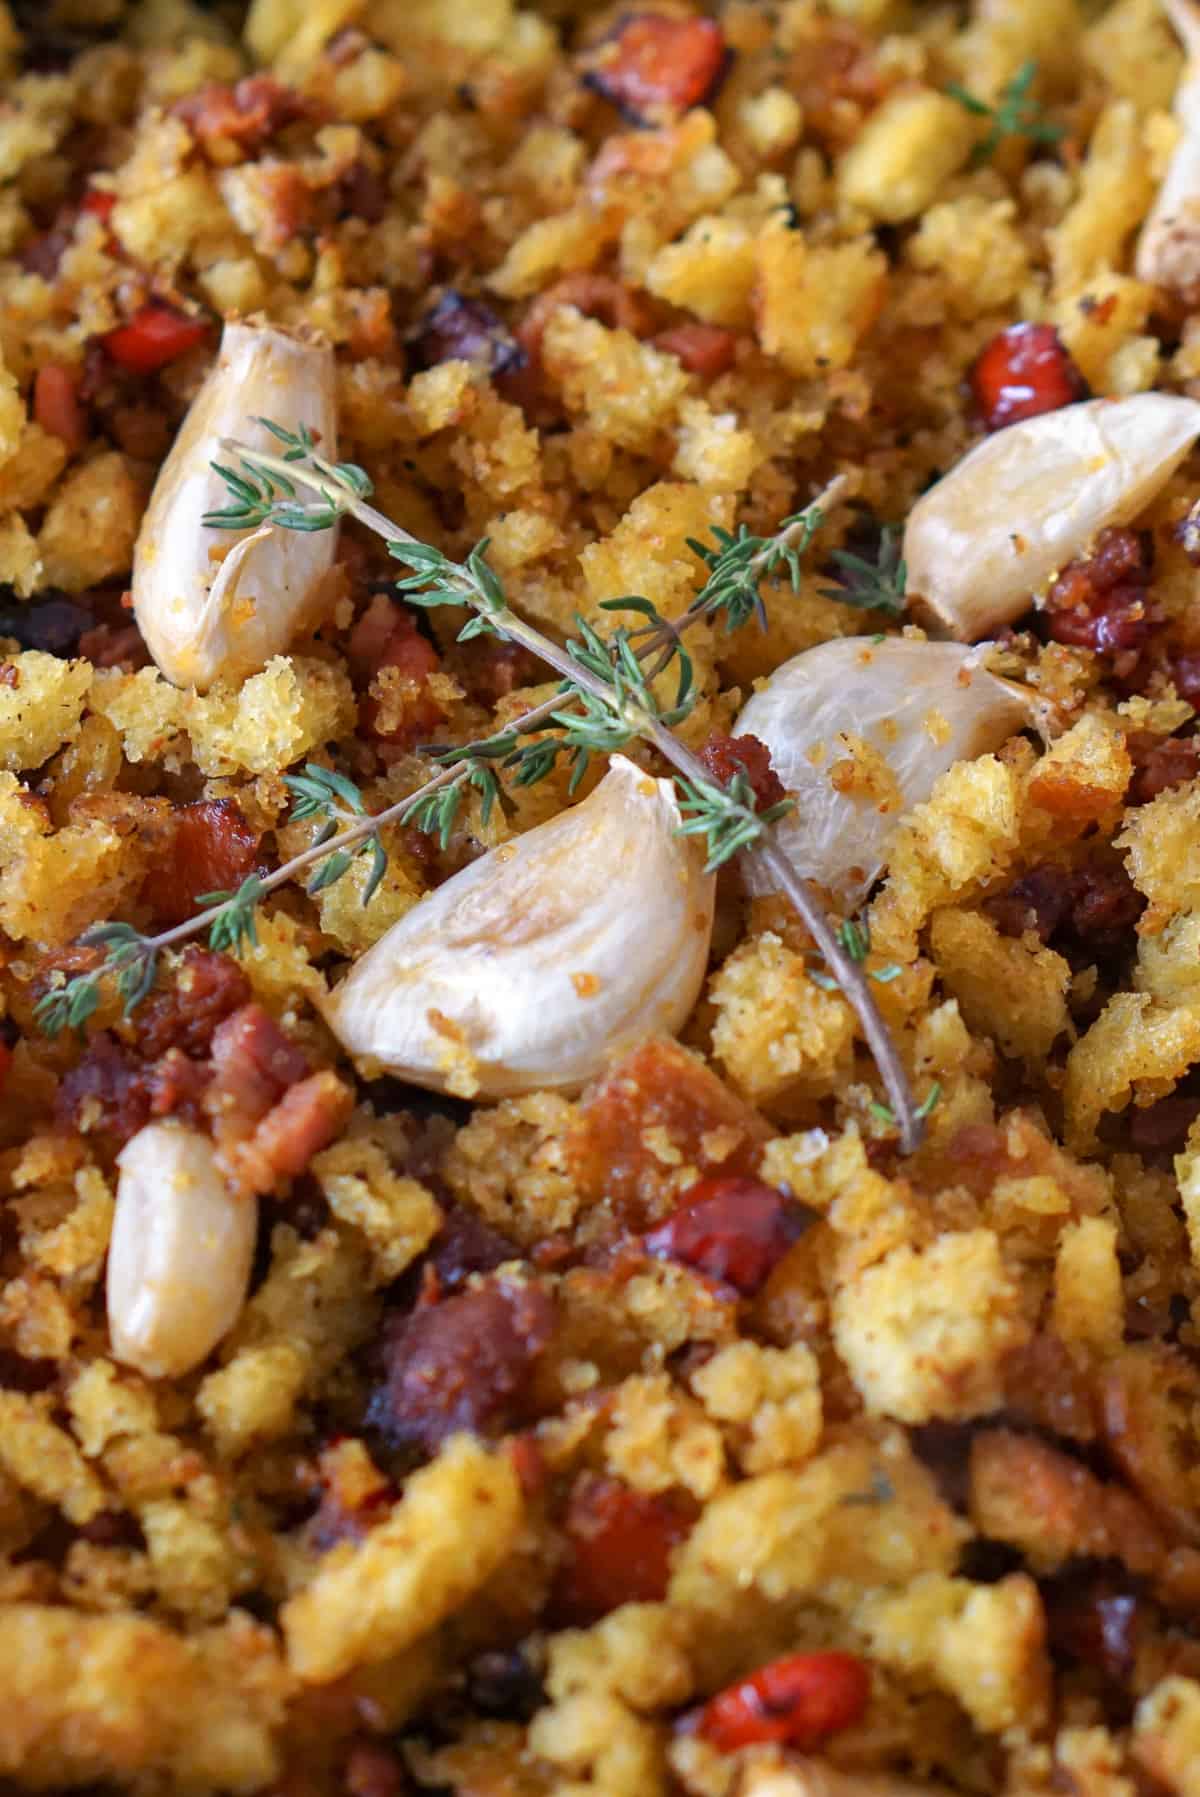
605	700
642	721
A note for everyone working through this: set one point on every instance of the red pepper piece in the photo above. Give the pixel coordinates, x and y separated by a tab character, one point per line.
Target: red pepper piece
799	1701
154	336
621	1541
704	349
56	406
734	1230
6	1055
100	202
660	65
1023	372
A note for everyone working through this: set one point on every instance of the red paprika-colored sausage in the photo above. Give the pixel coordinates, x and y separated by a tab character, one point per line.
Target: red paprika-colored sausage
799	1701
734	1230
1023	372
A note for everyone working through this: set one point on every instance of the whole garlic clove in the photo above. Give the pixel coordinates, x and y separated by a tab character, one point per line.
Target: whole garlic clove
534	966
181	1250
213	604
921	706
1168	252
987	538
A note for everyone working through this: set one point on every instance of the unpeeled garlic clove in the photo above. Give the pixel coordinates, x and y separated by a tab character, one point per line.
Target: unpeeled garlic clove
921	706
216	604
179	1260
535	965
1168	252
990	535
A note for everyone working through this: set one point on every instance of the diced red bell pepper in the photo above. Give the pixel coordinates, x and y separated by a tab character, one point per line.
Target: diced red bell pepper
734	1230
100	202
57	408
1023	372
798	1701
6	1055
154	336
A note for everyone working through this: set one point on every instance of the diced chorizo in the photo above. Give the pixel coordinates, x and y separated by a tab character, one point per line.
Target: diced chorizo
1090	910
597	296
1097	1622
465	1244
656	67
106	1093
1106	909
704	349
838	78
727	756
1039	901
799	1701
207	988
241	118
115	646
735	1231
1100	601
309	1116
461	1364
176	1086
1160	763
620	1545
495	669
1024	371
254	1064
57	408
658	1093
362	192
212	848
388	651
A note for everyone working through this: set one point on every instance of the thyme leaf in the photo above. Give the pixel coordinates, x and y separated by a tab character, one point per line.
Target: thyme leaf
1015	114
870	586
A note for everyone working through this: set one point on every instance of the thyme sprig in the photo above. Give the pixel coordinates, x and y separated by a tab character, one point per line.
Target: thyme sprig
871	586
1016	113
738	563
257	499
606	699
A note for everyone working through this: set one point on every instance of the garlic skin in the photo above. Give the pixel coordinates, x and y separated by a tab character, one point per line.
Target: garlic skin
180	1255
218	604
1168	251
1027	500
922	706
537	964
